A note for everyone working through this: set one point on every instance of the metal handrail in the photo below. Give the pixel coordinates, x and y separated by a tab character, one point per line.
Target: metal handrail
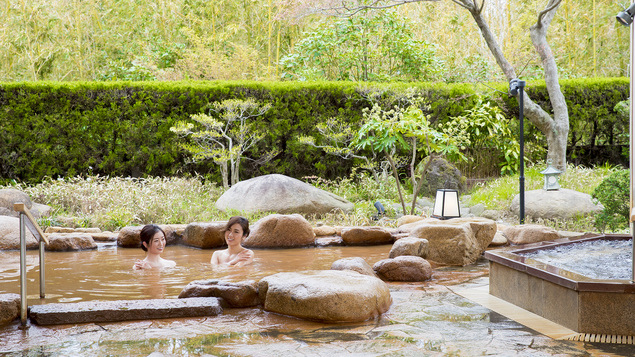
27	219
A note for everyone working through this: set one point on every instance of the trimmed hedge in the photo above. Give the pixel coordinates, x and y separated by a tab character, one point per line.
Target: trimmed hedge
597	134
122	128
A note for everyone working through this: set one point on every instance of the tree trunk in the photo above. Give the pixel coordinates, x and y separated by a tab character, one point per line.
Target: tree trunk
235	175
394	171
223	173
559	130
555	130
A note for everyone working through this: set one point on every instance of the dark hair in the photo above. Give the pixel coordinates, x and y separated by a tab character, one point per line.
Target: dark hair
147	233
244	224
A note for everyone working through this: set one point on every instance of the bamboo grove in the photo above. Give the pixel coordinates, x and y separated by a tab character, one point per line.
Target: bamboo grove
69	40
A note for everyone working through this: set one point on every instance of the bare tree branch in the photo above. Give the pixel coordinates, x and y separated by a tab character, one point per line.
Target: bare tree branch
545	11
461	4
480	9
344	8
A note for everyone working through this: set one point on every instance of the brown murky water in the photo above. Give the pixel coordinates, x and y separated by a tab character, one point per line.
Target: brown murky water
106	273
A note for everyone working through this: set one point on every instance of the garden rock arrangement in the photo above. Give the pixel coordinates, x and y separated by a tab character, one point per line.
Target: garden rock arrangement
459	241
280	194
10	234
403	268
280	231
325	295
356	264
440	174
10	196
366	236
9	307
556	204
95	233
70	242
499	240
236	294
129	237
530	233
204	235
409	246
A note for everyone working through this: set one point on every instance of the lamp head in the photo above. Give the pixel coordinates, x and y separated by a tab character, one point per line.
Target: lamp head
626	17
515	85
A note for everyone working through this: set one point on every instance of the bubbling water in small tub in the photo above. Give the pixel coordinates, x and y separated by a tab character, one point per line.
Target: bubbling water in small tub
597	259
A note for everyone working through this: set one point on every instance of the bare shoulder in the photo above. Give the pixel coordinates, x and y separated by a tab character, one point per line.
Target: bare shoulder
169	263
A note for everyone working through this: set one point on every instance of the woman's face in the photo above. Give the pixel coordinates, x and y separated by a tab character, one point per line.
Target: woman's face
157	243
234	234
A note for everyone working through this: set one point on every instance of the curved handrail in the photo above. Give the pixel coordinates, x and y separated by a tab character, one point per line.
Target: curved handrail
27	219
31	223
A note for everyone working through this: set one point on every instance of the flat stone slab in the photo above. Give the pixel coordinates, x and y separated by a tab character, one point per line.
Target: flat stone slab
122	310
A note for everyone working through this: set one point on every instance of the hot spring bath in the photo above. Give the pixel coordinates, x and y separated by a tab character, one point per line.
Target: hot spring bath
106	273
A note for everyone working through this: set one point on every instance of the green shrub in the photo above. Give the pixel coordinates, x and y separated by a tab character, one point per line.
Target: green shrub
123	128
64	129
613	193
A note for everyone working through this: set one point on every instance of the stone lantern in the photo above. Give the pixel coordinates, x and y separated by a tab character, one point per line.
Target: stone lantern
551	177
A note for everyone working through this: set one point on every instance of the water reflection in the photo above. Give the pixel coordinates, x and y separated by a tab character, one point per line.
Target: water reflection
106	273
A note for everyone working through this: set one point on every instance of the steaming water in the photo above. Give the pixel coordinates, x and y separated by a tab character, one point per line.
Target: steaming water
598	259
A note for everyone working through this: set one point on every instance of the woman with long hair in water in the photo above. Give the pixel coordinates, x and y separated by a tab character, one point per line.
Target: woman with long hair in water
235	255
153	242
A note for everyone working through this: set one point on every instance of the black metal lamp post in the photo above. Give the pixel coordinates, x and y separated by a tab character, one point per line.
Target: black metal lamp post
626	18
516	87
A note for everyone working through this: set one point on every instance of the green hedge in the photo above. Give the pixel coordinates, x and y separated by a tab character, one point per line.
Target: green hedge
593	122
122	128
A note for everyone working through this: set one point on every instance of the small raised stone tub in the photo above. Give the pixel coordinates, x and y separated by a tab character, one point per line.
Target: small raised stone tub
583	304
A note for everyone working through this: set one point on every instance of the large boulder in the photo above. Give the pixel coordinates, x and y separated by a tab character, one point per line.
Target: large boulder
39	210
440	174
205	234
325	295
280	194
354	264
11	196
130	236
280	231
556	204
403	268
530	233
366	236
10	234
458	241
63	242
236	294
9	308
409	246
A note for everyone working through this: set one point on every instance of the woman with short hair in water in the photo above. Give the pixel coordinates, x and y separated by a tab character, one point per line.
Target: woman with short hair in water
235	255
153	242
